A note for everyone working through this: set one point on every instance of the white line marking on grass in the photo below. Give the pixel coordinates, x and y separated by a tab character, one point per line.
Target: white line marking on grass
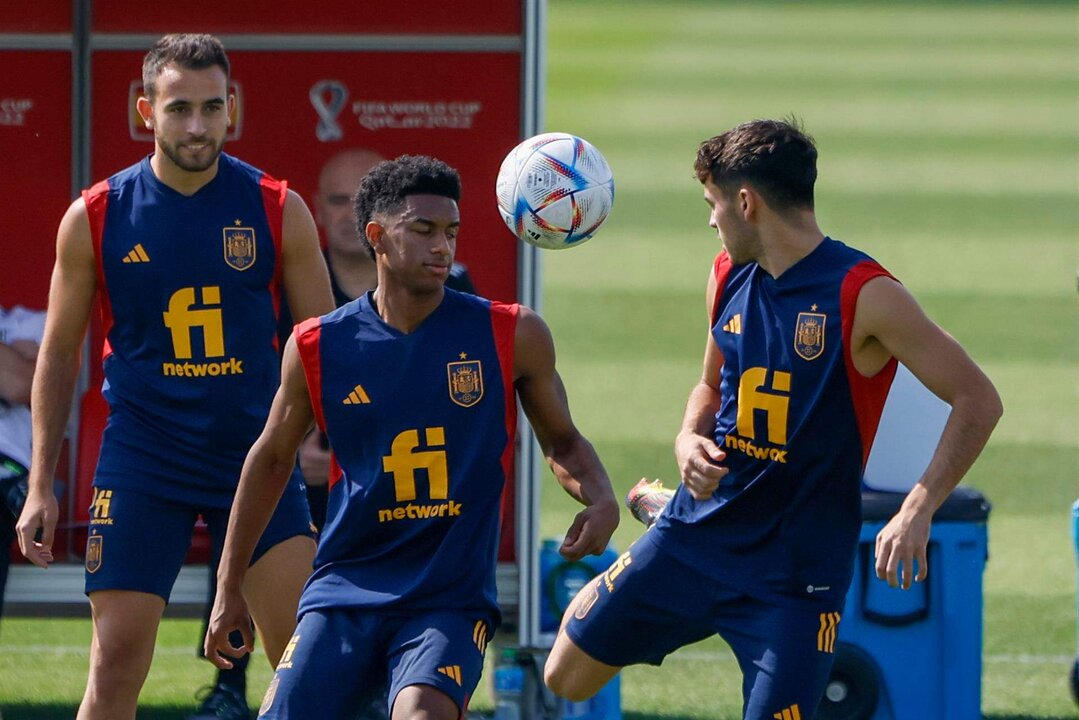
1001	658
683	656
1028	659
81	650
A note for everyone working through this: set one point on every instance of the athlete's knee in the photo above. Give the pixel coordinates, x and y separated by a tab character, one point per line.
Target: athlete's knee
565	677
125	628
120	653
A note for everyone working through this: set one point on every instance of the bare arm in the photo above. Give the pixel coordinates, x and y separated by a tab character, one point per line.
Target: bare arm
71	295
306	280
695	449
263	479
889	322
570	456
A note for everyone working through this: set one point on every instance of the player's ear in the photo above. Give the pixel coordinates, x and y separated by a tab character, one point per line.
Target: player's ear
374	232
230	105
748	202
145	109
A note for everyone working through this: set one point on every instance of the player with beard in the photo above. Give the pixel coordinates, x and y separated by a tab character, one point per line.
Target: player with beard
189	251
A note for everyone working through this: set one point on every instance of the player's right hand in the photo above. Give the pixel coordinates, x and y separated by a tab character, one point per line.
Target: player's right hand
229	613
699	461
39	513
314	460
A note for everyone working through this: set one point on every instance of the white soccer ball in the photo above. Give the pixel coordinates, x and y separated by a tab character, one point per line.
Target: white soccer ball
554	190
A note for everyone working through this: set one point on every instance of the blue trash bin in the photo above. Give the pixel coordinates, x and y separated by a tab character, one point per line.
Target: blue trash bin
560	581
1074	680
894	645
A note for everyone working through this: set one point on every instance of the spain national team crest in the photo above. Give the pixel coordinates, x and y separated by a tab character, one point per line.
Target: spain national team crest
809	335
239	247
466	382
94	545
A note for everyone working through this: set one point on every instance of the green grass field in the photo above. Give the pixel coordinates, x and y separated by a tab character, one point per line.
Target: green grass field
949	142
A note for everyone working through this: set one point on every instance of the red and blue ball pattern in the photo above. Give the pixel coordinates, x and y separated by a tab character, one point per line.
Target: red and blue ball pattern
554	190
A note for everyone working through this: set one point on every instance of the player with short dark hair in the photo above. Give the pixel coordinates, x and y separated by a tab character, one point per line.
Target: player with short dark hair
192	51
757	544
189	251
352	273
416	387
391	183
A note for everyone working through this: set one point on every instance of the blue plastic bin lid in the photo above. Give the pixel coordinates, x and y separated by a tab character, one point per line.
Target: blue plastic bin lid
963	505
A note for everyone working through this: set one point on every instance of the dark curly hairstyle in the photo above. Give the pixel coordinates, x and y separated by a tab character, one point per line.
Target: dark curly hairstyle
192	51
775	157
384	189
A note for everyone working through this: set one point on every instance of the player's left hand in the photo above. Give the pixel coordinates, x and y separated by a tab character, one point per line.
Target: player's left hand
229	613
591	530
900	544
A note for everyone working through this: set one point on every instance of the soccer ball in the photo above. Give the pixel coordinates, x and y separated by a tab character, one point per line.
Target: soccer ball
554	190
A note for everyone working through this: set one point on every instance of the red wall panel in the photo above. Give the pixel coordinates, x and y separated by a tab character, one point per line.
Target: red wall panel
36	16
463	108
326	16
35	145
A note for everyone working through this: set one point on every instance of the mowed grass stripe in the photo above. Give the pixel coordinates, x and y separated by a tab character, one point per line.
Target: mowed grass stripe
968	245
818	63
676	322
1041	402
778	24
1039	398
696	110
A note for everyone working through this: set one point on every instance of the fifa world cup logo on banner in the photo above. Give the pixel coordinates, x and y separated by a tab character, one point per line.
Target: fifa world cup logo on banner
328	98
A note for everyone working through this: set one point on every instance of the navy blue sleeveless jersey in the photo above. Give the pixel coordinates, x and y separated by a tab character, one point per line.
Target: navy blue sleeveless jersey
796	422
189	289
421	427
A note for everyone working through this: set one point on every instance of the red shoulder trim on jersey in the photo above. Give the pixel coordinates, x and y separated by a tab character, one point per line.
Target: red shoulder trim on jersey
96	198
274	193
504	329
867	394
308	335
721	269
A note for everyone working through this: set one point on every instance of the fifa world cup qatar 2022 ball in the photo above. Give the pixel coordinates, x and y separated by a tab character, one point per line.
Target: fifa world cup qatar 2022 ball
554	190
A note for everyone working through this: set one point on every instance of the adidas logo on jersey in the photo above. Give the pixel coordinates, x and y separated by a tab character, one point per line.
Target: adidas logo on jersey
137	255
734	325
791	713
453	672
358	396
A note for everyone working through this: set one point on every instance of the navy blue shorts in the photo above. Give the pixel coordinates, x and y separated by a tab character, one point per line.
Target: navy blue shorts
342	658
648	604
138	542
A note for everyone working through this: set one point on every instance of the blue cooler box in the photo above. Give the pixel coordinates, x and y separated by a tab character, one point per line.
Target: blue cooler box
914	654
1074	679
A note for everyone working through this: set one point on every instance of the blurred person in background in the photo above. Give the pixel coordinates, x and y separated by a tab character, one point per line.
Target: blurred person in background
20	336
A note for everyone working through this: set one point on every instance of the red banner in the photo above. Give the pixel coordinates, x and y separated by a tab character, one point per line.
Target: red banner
299	109
35	147
325	16
36	16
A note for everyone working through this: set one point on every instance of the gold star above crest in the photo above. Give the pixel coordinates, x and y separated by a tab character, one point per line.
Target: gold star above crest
813	307
463	355
238	222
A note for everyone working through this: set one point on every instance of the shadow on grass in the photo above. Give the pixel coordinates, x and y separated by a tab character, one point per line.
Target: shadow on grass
59	711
